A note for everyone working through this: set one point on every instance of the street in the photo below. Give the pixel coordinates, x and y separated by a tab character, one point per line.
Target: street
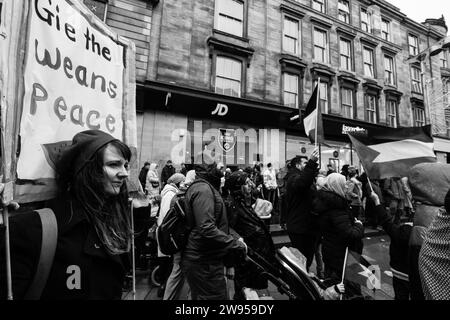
376	252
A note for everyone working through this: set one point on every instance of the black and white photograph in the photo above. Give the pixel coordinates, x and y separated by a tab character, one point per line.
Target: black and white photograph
225	158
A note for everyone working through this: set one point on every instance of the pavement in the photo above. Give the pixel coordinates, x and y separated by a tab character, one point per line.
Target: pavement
376	251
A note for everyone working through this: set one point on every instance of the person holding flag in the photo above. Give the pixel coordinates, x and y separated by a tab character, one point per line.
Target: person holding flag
339	230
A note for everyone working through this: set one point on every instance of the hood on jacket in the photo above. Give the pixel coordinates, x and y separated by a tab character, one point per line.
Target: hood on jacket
169	188
326	201
206	169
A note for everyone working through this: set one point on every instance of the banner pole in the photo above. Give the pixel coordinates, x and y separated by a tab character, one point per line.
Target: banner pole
133	263
343	269
7	253
317	111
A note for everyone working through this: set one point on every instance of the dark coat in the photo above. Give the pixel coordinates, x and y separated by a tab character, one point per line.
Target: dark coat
210	238
244	220
299	194
101	274
337	228
166	173
399	234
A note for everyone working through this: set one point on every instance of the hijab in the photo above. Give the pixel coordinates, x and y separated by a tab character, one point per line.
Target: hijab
153	168
336	183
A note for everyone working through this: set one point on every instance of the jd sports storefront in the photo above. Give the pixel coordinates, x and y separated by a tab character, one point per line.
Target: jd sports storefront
178	123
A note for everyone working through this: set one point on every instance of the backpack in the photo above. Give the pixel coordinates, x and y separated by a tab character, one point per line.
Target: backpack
173	233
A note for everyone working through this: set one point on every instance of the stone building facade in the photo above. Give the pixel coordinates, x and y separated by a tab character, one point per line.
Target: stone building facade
229	74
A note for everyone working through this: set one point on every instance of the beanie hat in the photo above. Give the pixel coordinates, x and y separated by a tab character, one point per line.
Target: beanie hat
75	156
176	178
236	180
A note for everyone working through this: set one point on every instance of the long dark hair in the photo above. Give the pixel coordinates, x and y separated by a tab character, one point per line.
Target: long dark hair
108	214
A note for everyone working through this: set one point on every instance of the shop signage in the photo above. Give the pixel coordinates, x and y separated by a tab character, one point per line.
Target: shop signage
221	110
347	129
227	139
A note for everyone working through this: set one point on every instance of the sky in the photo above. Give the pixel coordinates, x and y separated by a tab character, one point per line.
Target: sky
419	10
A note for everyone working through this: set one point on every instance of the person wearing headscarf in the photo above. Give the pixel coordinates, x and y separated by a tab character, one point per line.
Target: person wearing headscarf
152	184
434	257
338	228
93	226
169	191
177	287
244	220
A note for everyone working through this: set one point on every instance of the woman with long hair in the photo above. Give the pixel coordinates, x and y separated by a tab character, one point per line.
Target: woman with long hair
93	225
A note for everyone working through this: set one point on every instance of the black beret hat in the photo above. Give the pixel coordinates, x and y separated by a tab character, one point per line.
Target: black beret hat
84	145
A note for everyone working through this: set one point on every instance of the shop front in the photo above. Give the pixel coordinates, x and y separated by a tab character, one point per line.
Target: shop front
337	149
179	123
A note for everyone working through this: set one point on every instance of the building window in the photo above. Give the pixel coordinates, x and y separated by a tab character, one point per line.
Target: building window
347	103
416	82
385	30
444	59
371	108
230	16
413	44
391	110
389	74
319	5
345	48
323	96
291	35
366	20
445	91
418	116
228	76
447	120
368	62
344	11
290	90
320	45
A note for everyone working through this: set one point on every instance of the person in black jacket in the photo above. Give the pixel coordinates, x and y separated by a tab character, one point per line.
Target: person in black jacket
301	225
244	220
338	228
209	243
166	173
143	174
398	250
93	220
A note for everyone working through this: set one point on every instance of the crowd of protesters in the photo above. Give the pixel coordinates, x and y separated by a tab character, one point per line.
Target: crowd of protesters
324	213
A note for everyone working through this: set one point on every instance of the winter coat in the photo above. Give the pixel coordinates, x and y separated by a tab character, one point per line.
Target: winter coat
337	228
434	259
166	173
354	191
152	176
79	253
167	195
270	179
244	220
299	194
398	250
209	239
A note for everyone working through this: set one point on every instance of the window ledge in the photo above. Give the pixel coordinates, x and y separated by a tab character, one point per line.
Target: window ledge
228	36
289	60
216	44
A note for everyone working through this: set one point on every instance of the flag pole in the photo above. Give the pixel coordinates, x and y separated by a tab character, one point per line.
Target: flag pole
317	111
343	269
133	258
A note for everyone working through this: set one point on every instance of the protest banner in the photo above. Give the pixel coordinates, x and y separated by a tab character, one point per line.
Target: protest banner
77	74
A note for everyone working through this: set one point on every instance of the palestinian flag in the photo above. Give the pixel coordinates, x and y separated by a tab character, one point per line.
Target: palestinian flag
392	152
311	118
